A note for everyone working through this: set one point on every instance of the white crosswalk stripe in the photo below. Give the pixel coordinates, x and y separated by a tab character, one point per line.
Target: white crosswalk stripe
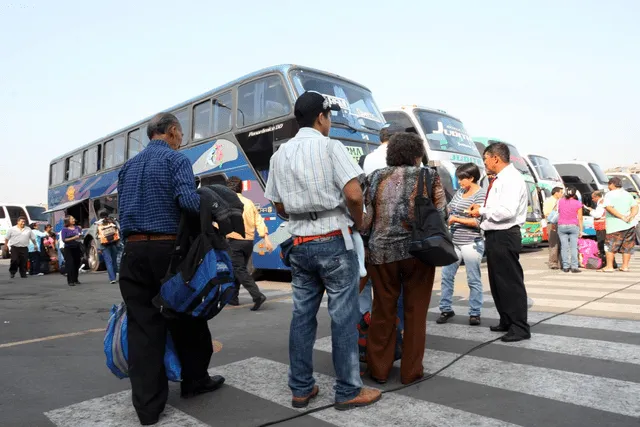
267	379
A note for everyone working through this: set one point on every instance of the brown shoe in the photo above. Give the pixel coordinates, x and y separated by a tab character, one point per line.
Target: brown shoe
367	396
303	402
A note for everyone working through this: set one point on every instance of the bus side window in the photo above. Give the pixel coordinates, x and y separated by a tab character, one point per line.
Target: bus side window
15	212
184	119
222	107
398	118
262	100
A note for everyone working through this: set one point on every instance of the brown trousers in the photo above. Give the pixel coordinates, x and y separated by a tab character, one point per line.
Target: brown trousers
416	281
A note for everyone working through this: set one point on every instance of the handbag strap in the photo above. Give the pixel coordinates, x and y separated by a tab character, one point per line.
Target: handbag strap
424	180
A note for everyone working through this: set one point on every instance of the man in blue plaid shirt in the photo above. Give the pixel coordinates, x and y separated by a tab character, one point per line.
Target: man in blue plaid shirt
153	188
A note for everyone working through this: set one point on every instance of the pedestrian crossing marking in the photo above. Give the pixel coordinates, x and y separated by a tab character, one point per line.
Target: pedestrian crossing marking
583	347
267	379
568	387
115	410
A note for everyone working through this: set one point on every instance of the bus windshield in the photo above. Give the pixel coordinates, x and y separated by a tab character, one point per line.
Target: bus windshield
534	211
36	213
544	168
518	161
636	179
359	111
597	171
445	133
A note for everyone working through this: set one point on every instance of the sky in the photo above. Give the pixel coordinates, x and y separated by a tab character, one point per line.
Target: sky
556	78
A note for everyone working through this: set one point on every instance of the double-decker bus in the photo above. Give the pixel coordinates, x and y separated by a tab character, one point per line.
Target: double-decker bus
446	141
531	230
232	130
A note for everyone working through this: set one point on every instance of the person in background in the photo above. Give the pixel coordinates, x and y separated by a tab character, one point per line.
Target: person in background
570	229
551	204
17	240
390	199
599	215
48	250
34	251
315	182
621	211
469	245
504	211
71	235
109	243
241	247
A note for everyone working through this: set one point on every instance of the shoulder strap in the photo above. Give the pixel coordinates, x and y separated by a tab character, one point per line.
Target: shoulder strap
425	181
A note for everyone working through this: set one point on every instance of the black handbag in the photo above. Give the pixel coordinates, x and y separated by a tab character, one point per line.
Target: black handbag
431	241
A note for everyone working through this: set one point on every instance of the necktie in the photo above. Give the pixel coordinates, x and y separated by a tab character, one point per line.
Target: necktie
491	181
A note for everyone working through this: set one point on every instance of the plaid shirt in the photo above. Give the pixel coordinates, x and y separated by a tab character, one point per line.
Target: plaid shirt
153	187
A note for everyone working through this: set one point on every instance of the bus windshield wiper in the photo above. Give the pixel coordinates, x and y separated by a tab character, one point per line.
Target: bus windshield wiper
346	125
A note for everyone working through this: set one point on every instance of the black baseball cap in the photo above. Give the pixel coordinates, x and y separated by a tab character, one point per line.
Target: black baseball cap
311	104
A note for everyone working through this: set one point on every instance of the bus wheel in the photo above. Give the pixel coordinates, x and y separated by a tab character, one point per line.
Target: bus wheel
92	255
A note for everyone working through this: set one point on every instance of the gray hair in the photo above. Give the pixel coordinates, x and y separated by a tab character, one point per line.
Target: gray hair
160	124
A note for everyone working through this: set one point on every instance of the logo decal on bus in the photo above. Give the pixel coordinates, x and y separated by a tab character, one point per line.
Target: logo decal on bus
271	128
222	151
365	136
356	152
71	193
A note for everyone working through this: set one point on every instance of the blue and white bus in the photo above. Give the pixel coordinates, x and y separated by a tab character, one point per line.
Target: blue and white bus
231	130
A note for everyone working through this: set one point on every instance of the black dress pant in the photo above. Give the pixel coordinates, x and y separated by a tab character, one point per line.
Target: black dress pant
19	260
72	258
507	278
143	266
240	253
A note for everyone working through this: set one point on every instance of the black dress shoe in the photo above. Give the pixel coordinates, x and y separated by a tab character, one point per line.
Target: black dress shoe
13	275
445	316
514	338
258	304
576	270
207	385
499	328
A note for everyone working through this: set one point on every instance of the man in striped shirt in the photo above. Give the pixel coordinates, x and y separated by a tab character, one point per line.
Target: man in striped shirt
314	180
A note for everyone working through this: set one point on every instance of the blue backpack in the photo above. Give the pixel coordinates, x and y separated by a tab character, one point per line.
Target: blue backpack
200	280
116	347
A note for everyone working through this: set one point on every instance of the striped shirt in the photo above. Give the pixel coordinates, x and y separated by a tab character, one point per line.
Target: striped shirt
463	234
153	187
305	177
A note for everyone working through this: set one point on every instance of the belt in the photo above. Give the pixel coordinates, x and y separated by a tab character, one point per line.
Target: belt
150	237
306	239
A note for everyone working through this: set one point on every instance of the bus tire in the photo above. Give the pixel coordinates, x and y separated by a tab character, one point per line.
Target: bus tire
93	258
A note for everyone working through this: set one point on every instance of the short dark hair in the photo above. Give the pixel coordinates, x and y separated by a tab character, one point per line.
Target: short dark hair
24	218
615	181
67	220
160	124
571	193
308	122
596	193
468	171
404	148
385	135
556	190
103	214
499	149
33	225
235	184
48	226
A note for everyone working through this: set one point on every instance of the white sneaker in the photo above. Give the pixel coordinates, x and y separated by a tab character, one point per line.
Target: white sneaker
40	274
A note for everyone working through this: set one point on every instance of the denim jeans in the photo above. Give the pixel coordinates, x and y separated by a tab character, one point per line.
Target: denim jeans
569	245
110	255
365	301
319	266
472	256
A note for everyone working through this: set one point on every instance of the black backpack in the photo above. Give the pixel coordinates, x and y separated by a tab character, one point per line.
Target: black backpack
430	239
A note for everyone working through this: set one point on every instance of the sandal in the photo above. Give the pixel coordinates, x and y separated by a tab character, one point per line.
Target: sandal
602	270
624	270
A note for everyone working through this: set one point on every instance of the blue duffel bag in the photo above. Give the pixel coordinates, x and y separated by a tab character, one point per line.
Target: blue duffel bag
116	347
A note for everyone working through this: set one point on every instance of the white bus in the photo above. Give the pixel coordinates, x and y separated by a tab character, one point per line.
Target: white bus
447	142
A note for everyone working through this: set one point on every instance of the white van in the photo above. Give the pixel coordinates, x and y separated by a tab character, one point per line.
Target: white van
9	214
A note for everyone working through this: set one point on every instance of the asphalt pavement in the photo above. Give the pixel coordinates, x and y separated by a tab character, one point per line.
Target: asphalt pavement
581	367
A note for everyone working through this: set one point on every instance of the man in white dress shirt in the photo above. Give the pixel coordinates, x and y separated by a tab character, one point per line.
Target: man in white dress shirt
503	213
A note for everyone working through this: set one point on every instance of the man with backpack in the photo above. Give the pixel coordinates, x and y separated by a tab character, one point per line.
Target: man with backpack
314	181
109	243
154	187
